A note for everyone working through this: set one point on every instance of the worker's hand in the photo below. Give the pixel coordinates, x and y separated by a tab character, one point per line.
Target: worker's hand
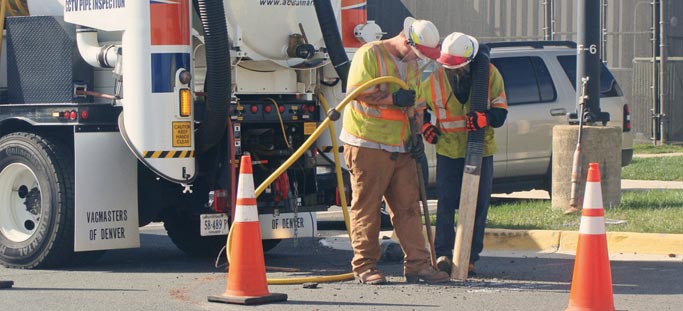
476	120
404	98
430	133
417	150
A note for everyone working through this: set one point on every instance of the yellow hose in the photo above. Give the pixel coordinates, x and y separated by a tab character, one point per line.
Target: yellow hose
297	154
3	10
337	169
20	7
6	8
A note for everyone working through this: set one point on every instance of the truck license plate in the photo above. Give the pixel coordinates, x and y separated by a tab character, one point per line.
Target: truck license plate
287	225
213	224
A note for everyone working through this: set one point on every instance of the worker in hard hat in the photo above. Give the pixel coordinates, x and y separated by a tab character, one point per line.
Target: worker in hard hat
451	90
376	134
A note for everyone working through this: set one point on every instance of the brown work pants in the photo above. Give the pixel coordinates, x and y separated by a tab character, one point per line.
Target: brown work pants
375	173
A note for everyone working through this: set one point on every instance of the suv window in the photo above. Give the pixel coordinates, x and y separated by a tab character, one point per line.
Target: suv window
608	85
527	80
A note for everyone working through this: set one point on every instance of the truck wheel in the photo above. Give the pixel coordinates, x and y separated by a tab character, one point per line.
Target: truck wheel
183	229
36	202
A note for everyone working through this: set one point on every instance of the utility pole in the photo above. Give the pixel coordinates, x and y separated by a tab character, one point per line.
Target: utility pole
588	60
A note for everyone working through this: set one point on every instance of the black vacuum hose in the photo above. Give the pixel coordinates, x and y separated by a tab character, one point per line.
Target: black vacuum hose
478	102
332	37
217	84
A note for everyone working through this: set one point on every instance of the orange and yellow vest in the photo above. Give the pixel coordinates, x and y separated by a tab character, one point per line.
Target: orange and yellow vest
450	113
383	124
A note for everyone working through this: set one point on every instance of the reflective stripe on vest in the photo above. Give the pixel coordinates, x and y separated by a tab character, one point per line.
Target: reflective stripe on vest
441	93
500	100
381	112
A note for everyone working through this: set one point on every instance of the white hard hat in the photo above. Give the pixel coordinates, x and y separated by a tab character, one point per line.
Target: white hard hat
458	50
423	36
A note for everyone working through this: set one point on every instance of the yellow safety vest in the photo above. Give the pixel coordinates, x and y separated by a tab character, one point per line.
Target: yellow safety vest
450	113
383	124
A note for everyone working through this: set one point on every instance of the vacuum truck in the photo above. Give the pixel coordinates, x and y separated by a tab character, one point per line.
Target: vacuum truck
115	114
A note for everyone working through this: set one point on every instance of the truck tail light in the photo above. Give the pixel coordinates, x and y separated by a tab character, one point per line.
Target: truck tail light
185	103
627	118
219	200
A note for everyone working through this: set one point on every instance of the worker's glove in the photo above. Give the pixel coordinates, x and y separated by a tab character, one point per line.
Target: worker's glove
476	120
430	133
417	150
404	98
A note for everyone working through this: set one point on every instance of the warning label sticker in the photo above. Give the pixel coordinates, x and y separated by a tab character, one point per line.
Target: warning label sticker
309	128
182	134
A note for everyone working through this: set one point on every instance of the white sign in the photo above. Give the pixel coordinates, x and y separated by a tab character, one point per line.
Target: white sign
213	224
289	225
106	193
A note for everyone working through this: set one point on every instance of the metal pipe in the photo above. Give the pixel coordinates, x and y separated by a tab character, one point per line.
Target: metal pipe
654	72
549	20
91	51
662	73
603	33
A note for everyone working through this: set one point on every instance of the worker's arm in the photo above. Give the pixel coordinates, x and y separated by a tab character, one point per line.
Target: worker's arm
498	111
376	97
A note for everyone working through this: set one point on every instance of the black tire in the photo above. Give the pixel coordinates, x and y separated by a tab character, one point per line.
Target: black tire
48	238
183	229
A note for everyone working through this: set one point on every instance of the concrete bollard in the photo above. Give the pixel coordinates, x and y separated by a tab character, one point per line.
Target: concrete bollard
601	144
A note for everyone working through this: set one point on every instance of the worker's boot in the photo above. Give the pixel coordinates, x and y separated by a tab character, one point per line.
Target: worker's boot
371	276
428	274
443	263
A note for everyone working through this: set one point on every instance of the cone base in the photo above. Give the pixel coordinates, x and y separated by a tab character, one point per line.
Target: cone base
575	308
249	300
6	284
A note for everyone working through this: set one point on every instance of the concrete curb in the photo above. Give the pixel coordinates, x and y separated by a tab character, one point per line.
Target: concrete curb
559	241
566	241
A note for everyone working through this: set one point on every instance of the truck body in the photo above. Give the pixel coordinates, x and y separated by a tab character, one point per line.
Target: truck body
115	114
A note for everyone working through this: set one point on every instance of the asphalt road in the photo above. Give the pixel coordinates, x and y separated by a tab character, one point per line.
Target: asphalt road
157	276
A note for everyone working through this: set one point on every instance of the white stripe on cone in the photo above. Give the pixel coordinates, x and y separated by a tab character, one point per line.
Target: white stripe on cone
592	200
245	190
593	196
592	225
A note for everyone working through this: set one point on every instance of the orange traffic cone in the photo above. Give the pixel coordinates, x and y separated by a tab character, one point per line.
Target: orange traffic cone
247	282
592	280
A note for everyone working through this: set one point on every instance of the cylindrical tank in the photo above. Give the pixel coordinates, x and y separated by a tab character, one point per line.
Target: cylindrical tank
46	7
261	28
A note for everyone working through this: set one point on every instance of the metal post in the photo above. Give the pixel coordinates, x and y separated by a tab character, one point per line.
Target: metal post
603	33
655	85
588	60
548	31
662	73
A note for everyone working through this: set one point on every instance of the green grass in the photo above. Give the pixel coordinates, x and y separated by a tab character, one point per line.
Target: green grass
657	168
653	211
651	149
